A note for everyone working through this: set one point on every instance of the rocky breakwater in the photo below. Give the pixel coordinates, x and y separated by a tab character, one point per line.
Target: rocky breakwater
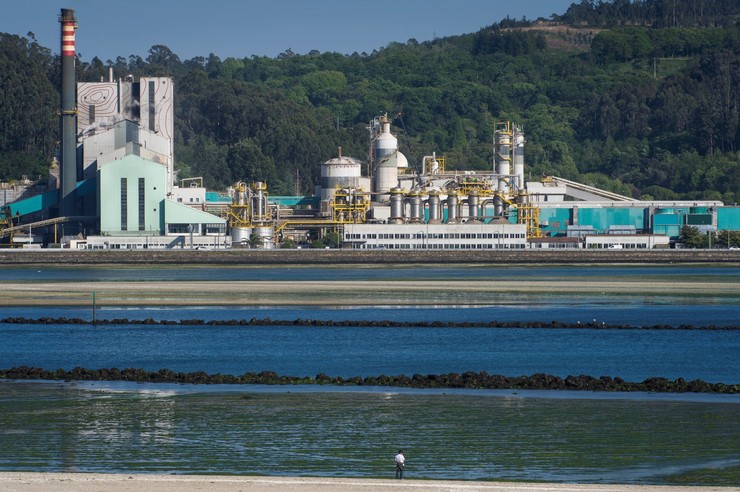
300	322
469	380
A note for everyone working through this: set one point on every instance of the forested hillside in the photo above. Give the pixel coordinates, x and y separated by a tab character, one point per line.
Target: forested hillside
642	98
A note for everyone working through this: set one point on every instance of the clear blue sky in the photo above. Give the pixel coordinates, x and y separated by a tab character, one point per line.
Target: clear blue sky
242	28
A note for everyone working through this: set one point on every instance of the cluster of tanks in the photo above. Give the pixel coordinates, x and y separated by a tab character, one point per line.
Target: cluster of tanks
392	193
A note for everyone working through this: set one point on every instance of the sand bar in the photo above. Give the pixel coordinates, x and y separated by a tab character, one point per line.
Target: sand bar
358	293
89	482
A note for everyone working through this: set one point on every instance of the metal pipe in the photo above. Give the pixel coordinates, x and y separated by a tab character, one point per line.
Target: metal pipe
434	209
414	201
396	195
473	206
498	206
452	207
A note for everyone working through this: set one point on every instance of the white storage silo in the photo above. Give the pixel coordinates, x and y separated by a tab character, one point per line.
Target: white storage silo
343	172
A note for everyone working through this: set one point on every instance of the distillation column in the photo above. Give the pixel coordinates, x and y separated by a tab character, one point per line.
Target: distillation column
518	142
503	156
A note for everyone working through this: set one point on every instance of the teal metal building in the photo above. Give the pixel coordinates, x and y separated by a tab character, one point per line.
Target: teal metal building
646	219
133	201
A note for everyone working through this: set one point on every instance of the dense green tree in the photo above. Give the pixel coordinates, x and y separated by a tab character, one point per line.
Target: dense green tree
28	106
649	108
692	238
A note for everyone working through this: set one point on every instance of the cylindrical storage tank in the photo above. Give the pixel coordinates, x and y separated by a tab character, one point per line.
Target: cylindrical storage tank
264	236
453	215
386	177
240	235
343	172
384	151
396	197
434	207
415	210
519	160
385	144
473	205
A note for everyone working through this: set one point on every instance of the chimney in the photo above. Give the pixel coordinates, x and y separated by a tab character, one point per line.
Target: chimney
67	198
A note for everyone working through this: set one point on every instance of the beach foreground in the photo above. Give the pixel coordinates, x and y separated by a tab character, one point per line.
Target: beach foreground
88	482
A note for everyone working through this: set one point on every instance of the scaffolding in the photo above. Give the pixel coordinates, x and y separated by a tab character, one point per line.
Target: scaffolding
529	214
350	205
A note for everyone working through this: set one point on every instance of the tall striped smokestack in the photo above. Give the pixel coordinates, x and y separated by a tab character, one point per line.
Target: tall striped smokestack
67	199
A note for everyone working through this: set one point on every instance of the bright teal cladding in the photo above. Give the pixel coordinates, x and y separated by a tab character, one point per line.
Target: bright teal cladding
728	218
602	218
667	221
32	204
216	197
554	221
294	201
557	220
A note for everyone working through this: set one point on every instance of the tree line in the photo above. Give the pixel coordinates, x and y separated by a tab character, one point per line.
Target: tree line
648	109
653	13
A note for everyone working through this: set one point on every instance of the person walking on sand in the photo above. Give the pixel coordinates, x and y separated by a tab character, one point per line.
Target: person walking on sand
400	460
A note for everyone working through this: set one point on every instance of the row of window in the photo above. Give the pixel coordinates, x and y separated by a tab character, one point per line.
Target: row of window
556	246
196	245
421	235
439	246
621	246
141	204
187	228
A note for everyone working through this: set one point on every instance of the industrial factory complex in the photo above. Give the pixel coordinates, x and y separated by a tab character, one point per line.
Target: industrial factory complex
114	187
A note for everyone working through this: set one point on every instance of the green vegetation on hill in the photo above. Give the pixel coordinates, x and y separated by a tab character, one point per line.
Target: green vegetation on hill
641	98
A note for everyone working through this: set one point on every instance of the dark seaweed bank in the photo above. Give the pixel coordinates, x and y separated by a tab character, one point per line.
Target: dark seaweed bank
356	323
470	380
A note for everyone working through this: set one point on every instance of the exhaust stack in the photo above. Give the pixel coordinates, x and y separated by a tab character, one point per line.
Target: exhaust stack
67	198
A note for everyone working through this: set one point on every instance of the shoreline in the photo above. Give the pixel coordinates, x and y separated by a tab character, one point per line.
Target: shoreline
253	257
84	482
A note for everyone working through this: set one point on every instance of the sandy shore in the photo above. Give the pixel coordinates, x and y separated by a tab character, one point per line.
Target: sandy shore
346	292
88	482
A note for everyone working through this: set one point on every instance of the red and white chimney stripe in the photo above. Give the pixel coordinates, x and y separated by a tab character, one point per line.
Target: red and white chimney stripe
68	38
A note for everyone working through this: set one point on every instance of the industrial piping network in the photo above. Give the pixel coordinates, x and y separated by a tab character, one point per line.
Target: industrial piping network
346	200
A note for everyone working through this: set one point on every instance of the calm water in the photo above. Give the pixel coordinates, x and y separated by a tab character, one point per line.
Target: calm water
62	427
633	355
454	435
